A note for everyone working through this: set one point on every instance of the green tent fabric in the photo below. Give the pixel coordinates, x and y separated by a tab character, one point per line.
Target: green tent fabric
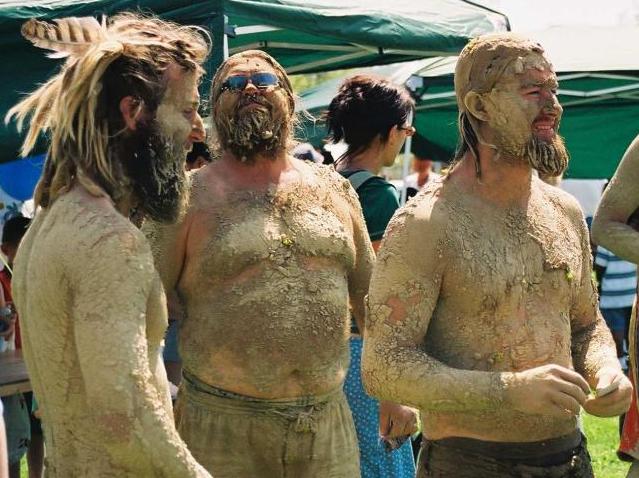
305	36
318	35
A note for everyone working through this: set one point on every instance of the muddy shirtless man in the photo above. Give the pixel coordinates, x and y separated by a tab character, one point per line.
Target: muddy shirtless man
270	252
482	311
121	115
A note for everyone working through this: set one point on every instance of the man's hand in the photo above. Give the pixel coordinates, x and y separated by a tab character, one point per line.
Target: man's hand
396	420
614	402
547	390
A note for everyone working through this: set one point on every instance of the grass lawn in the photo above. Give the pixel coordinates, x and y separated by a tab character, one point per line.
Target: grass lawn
603	439
602	442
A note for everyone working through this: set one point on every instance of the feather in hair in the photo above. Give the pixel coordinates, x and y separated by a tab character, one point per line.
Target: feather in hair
67	37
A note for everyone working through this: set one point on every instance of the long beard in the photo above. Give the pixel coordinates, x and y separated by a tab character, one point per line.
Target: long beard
253	131
549	159
155	167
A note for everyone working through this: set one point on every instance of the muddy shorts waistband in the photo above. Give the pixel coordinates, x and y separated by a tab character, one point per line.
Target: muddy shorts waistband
538	453
302	412
196	385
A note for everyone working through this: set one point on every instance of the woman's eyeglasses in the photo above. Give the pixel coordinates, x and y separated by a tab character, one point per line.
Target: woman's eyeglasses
260	80
409	130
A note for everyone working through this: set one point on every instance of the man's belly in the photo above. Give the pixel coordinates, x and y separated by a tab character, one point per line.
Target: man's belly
275	345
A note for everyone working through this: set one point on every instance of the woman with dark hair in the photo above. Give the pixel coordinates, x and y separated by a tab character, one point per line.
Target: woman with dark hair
371	115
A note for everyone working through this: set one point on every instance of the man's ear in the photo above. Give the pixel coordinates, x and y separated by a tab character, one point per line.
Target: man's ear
130	107
475	104
5	249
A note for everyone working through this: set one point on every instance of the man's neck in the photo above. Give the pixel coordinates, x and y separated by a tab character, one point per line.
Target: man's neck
260	170
505	183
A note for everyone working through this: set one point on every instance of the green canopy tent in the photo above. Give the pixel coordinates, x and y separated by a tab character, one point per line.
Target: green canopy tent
598	88
318	35
305	36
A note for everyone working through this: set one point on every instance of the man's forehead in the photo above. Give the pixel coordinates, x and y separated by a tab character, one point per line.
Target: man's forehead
249	64
533	68
182	83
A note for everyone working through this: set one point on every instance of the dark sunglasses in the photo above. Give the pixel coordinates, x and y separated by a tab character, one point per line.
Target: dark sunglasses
260	80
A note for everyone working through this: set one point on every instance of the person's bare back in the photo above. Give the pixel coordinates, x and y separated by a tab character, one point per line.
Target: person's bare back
93	269
265	281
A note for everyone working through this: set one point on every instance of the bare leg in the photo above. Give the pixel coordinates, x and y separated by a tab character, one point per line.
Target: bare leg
35	456
14	470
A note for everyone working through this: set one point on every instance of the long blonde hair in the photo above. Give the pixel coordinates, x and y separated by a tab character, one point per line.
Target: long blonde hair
79	106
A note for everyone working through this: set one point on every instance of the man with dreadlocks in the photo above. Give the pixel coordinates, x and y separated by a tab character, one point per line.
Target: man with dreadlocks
121	115
482	310
265	261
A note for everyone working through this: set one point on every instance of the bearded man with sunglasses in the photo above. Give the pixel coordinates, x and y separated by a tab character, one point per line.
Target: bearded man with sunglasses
266	262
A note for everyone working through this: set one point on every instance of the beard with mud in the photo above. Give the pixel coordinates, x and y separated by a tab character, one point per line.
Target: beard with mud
255	127
548	158
155	167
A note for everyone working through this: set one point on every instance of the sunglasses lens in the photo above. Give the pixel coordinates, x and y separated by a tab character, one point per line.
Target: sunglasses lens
259	80
264	80
236	82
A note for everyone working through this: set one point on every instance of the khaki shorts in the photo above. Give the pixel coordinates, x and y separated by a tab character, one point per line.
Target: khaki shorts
234	436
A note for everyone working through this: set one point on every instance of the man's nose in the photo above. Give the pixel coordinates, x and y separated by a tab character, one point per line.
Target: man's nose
552	106
198	133
250	88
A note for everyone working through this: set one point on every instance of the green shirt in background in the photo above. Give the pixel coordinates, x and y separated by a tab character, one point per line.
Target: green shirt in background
379	200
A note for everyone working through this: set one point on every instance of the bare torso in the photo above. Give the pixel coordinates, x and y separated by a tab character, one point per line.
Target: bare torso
266	282
469	296
94	314
505	302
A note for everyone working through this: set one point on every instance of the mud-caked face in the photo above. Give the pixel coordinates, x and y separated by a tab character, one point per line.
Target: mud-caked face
177	115
252	114
159	147
524	115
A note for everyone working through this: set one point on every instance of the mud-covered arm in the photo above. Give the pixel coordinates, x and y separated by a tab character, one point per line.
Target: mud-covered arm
619	201
168	246
404	292
592	345
360	274
109	317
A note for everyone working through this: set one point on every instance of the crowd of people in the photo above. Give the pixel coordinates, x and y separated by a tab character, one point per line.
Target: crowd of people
314	325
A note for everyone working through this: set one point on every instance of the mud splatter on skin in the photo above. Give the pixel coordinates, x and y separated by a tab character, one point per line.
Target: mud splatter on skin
523	97
507	82
92	340
620	200
266	277
481	299
252	121
94	314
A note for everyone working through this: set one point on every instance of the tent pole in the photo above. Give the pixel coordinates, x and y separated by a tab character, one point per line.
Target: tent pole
406	162
220	51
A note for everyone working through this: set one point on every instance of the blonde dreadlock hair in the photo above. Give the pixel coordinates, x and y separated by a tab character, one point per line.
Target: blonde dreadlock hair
79	107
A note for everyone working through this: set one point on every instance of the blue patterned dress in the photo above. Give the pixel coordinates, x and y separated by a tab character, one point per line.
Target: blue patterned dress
379	200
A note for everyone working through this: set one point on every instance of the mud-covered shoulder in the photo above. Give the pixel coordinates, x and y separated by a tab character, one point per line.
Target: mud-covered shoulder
98	238
428	212
419	227
562	201
330	180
